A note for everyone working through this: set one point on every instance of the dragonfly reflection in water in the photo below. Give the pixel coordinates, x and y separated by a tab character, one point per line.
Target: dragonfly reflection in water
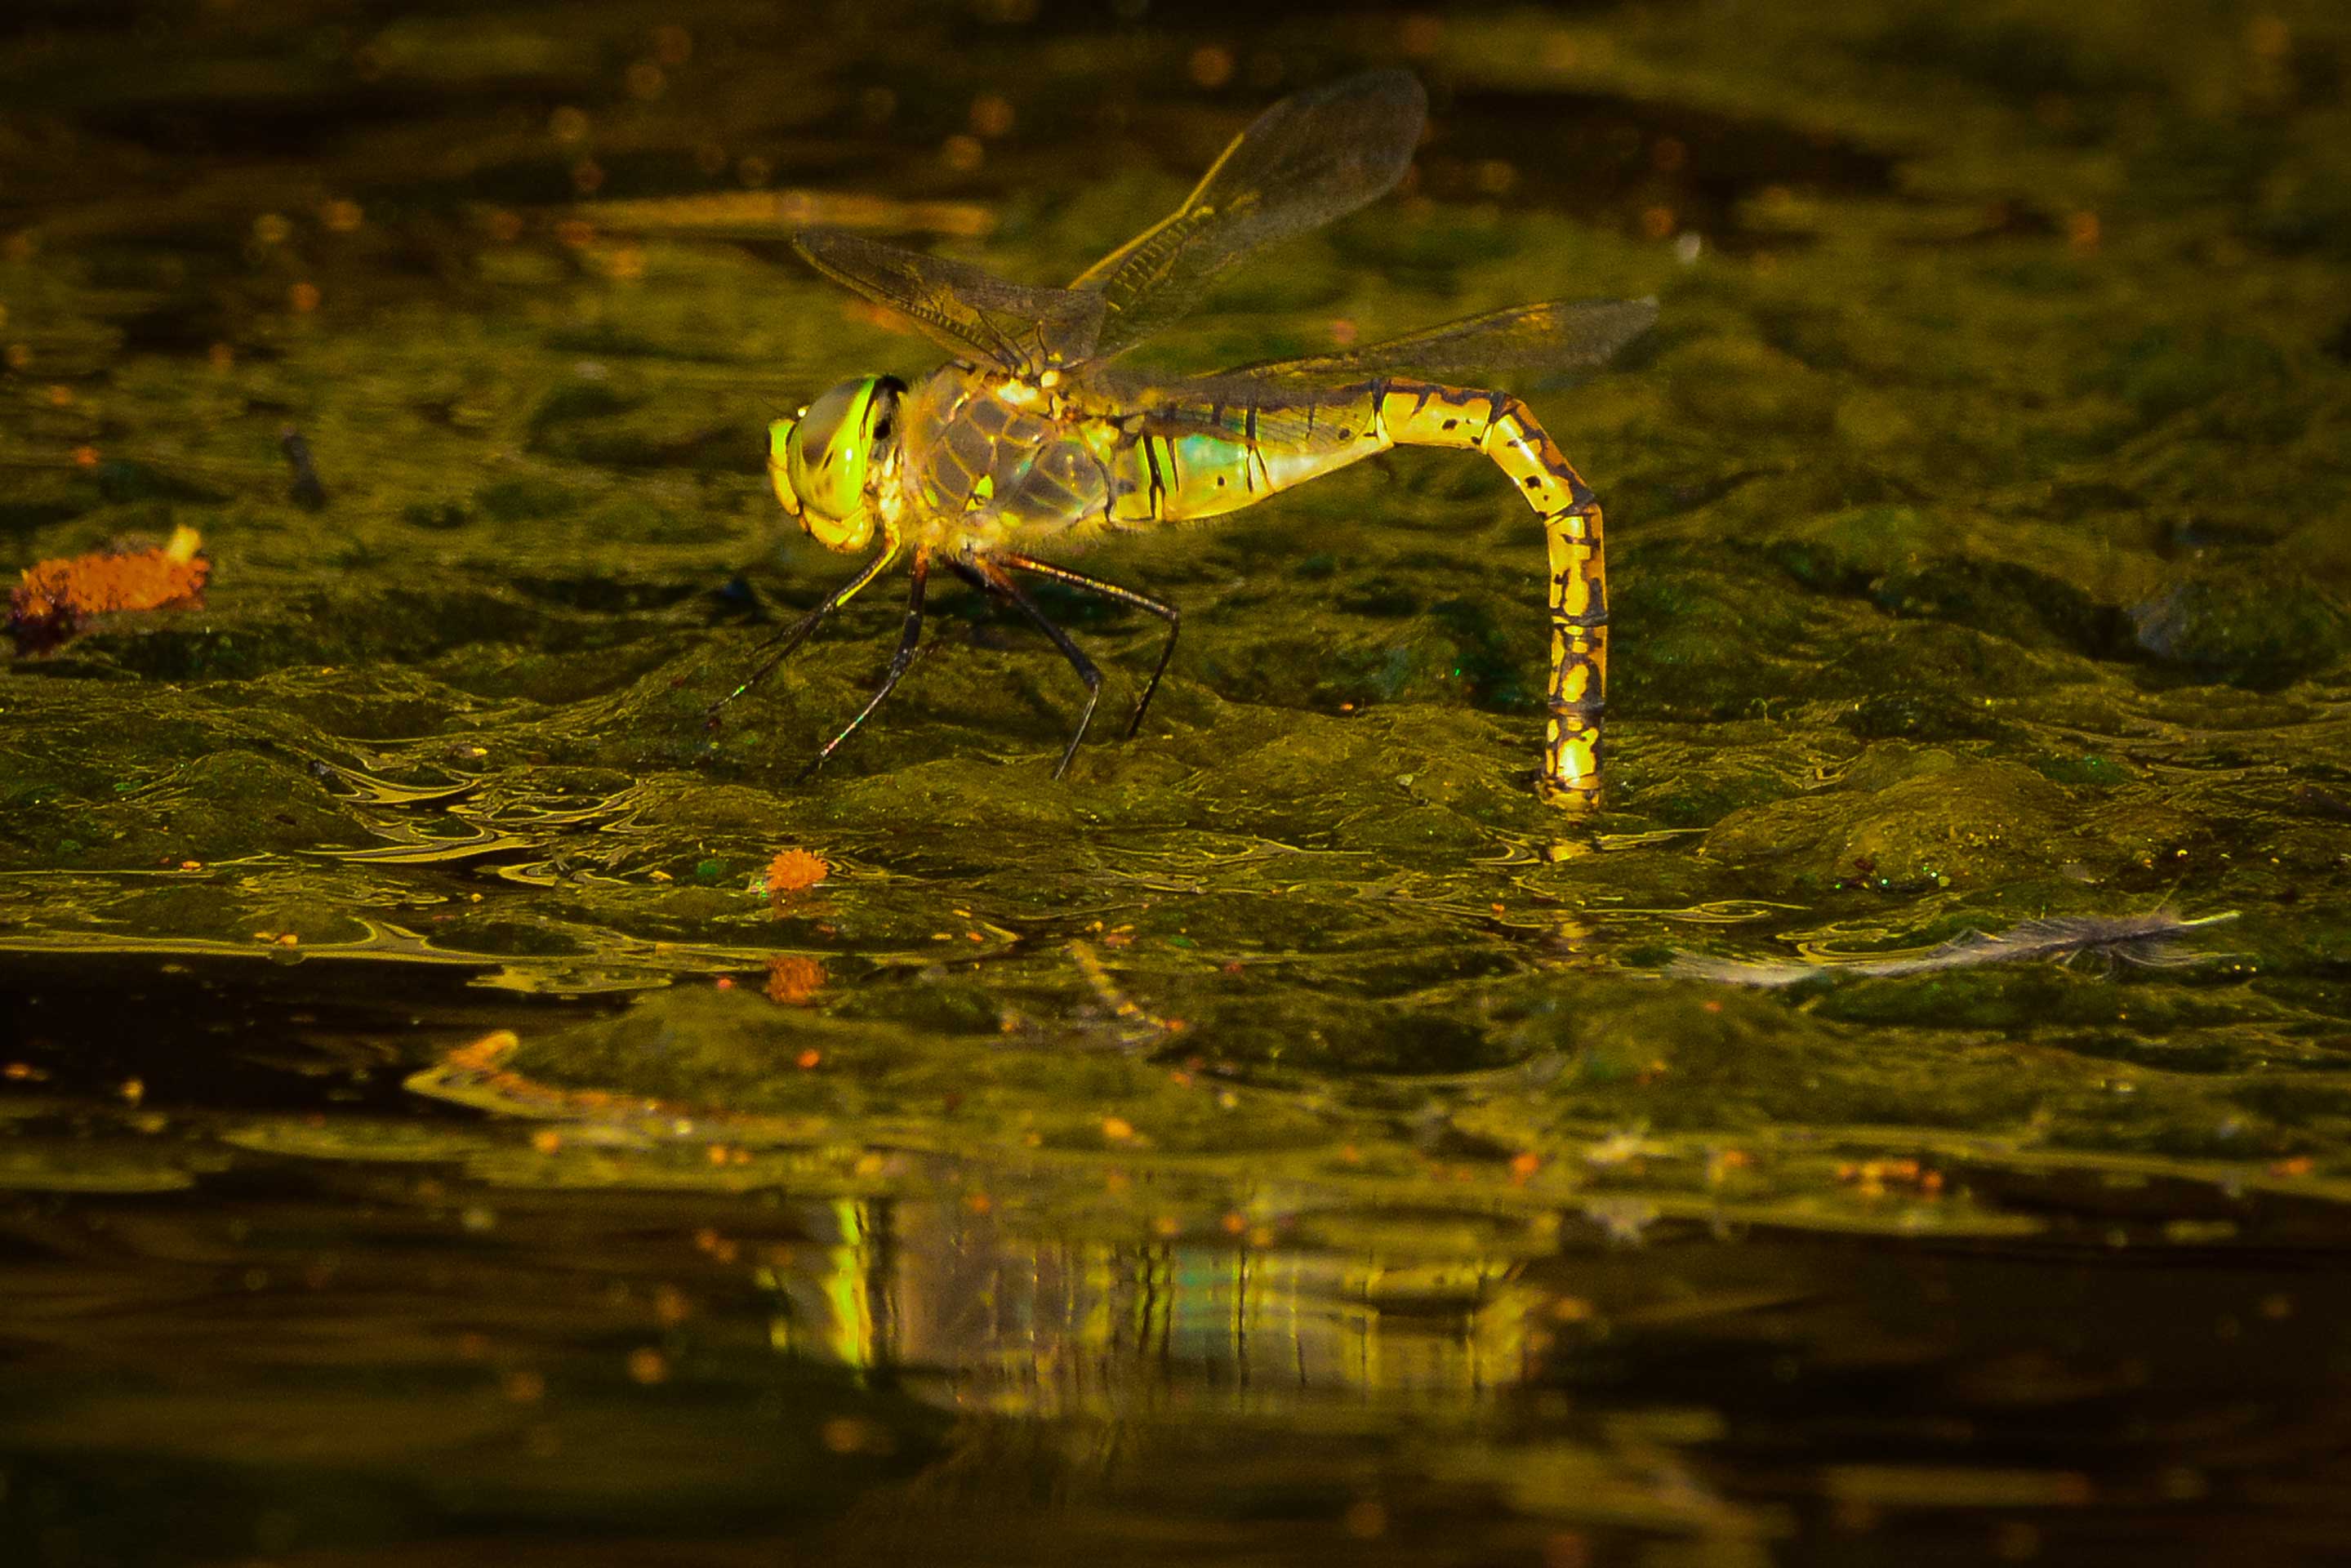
1035	440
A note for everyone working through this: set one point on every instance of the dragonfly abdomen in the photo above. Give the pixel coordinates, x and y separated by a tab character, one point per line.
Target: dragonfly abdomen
1423	413
1199	462
1177	466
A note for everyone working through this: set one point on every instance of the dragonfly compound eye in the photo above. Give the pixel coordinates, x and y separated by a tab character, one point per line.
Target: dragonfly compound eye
779	440
828	456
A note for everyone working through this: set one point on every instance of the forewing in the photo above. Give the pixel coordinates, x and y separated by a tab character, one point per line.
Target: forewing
970	312
1312	157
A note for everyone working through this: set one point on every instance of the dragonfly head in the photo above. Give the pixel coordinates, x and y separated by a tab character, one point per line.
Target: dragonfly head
825	460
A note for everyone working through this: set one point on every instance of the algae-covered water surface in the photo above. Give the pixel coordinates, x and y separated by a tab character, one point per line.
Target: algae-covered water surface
461	1104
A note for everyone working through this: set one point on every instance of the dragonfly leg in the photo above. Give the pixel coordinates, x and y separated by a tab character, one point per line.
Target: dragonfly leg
1504	429
1113	593
909	635
990	578
793	635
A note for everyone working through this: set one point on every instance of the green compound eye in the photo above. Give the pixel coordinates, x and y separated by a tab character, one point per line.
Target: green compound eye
826	455
779	435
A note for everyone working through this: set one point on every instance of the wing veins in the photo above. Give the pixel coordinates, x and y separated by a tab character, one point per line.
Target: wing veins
961	306
1312	157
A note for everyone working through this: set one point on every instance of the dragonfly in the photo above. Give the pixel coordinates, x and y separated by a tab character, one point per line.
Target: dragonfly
1034	440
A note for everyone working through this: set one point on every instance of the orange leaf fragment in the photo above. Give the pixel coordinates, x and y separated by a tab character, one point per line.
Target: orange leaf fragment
54	598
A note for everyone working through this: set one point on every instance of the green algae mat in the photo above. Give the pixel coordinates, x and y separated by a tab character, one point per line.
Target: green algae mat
459	1100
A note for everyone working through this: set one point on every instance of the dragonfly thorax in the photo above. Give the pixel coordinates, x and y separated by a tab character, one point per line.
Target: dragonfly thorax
826	461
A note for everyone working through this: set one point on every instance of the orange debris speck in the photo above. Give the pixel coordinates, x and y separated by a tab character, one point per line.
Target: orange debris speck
1234	1224
2298	1165
303	297
807	1060
725	982
793	980
1117	1129
1873	1176
1211	66
991	115
647	1367
795	871
487	1053
547	1141
1524	1166
52	599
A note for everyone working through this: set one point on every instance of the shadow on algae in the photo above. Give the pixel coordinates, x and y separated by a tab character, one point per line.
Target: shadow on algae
1980	550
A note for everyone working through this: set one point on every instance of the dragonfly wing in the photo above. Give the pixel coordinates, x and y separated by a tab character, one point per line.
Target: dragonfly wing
1555	335
972	313
1313	157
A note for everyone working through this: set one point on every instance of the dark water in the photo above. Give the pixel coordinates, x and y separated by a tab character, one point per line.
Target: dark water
1284	1140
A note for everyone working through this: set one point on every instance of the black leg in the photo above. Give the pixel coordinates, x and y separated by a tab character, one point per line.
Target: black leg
1127	596
793	635
900	661
990	578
